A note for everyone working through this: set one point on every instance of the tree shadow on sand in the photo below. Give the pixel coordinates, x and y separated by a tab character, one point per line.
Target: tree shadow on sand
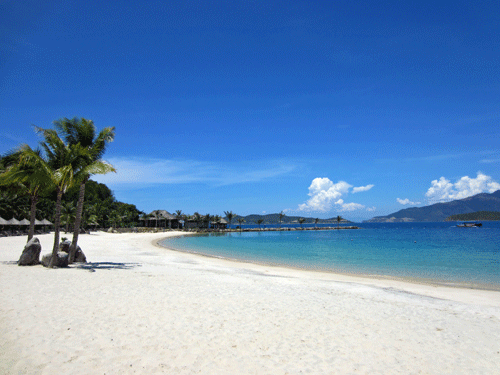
92	267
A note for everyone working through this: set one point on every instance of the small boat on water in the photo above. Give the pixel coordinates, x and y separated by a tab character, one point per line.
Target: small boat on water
469	225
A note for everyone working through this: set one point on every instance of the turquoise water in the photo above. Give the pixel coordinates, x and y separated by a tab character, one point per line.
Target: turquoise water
437	252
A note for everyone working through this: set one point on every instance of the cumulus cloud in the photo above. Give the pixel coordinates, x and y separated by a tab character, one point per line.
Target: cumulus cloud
362	188
406	201
444	190
325	195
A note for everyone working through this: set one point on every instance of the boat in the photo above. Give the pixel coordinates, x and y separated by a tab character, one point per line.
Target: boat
470	225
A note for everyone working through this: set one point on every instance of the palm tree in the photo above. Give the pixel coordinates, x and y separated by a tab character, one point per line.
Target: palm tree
281	216
316	223
197	218
27	169
339	219
67	214
206	219
259	222
179	216
301	221
241	221
230	216
83	132
62	160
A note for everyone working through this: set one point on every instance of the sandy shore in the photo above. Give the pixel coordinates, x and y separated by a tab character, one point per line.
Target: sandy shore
139	308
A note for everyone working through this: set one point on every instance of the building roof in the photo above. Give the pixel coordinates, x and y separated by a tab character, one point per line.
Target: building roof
161	215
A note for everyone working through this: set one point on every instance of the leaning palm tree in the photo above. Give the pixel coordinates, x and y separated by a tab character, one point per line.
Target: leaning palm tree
62	160
24	168
83	132
230	216
339	219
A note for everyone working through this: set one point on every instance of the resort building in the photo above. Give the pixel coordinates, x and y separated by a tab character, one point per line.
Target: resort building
161	219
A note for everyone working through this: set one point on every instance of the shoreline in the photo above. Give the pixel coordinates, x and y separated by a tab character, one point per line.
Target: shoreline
141	308
424	287
337	272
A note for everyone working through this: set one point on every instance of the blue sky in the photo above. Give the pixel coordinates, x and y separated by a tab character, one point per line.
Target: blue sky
317	108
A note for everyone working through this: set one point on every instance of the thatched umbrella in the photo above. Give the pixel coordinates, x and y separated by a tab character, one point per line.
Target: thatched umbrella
13	221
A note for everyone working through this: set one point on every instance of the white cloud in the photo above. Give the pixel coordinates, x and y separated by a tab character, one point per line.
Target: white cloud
444	190
371	209
325	195
406	201
144	171
362	188
489	161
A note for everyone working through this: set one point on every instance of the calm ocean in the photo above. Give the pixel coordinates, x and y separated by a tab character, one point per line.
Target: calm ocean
438	252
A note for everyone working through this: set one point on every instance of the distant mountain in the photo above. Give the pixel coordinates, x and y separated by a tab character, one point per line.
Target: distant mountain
474	216
440	211
274	219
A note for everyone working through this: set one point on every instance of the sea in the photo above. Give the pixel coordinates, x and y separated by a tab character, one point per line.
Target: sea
439	253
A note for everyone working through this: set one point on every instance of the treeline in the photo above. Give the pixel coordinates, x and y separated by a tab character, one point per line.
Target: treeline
474	216
100	208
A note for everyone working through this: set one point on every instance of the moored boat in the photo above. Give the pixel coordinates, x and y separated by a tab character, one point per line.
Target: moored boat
469	225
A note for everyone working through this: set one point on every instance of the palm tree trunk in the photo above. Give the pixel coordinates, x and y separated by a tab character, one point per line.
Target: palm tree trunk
78	220
57	222
31	232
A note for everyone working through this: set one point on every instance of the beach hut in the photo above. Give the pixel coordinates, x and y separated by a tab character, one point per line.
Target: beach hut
221	224
161	219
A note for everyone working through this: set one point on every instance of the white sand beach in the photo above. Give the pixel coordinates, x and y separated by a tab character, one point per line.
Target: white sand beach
137	308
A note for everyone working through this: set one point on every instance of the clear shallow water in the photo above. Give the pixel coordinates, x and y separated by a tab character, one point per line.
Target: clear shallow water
439	252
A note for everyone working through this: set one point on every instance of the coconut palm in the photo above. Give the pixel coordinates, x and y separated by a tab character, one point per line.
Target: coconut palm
281	216
62	160
339	219
27	169
83	132
301	221
206	219
241	221
68	214
230	216
259	222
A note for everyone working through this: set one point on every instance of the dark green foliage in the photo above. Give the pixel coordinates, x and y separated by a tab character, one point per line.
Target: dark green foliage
99	201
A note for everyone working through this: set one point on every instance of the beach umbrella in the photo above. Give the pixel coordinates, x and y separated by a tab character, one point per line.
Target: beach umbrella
13	221
46	222
3	221
38	222
24	222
